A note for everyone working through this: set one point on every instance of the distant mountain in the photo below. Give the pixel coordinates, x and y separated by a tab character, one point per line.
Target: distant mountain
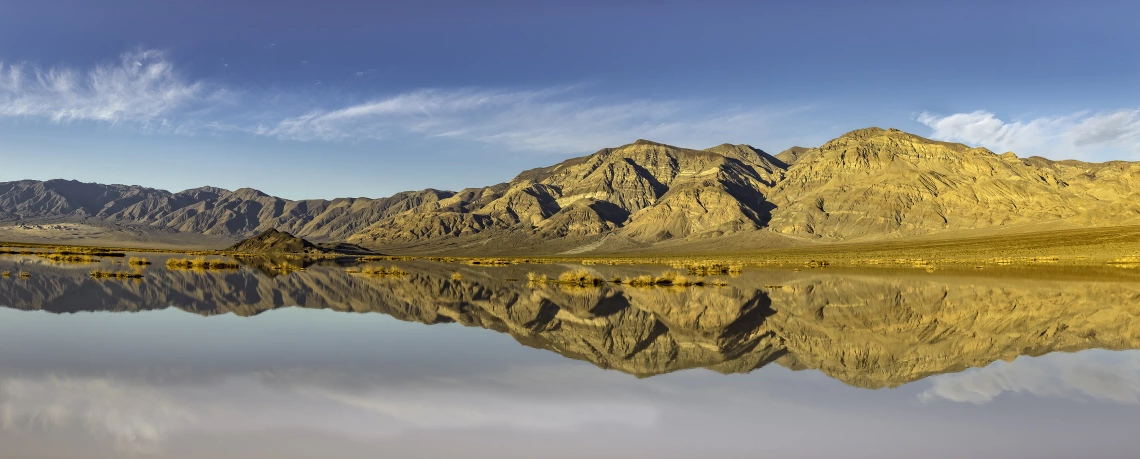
869	183
207	210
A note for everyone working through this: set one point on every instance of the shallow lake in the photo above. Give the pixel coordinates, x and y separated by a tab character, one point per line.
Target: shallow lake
251	363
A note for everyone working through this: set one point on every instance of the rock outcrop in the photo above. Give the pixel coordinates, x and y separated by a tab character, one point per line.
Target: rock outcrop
273	241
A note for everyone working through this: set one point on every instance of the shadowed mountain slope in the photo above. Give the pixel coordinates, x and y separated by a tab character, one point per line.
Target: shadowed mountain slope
207	210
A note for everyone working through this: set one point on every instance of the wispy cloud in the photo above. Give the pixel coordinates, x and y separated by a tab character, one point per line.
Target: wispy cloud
1082	135
1090	375
141	87
548	120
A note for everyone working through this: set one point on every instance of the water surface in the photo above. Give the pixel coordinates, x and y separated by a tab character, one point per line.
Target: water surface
324	363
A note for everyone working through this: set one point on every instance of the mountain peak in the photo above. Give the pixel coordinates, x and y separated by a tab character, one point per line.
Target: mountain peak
873	131
791	155
875	134
735	147
249	193
208	188
647	143
748	154
864	133
213	190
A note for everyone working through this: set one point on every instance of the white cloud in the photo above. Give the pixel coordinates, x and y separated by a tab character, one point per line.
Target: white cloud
1081	135
141	87
549	120
1096	375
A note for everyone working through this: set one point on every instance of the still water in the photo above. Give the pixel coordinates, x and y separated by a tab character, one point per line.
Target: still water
322	363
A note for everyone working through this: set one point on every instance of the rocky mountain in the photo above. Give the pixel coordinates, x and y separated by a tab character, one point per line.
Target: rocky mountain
875	182
645	192
867	184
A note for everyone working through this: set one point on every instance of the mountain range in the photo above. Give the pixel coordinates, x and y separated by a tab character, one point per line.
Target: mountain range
864	185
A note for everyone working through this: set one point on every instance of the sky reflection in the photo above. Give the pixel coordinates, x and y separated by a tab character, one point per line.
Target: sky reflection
173	384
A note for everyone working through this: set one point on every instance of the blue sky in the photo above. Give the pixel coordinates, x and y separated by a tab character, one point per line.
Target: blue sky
328	99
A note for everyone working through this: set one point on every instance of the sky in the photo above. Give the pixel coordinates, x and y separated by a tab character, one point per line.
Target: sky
345	99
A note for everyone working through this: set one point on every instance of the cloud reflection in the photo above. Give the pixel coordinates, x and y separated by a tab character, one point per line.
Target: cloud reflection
139	415
1089	375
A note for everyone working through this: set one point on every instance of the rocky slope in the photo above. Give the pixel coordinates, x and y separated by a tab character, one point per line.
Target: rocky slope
867	184
645	191
875	182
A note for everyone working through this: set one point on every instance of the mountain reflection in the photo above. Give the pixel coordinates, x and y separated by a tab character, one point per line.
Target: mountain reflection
867	330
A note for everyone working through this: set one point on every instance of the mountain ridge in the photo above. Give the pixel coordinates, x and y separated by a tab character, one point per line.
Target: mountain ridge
865	184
